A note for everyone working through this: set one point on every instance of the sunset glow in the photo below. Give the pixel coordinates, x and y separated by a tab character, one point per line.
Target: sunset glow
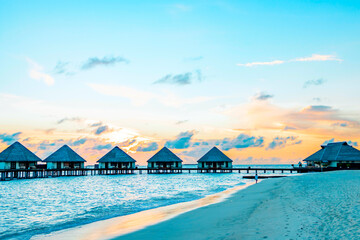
189	76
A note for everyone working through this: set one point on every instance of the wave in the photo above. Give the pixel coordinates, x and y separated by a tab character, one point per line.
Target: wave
69	202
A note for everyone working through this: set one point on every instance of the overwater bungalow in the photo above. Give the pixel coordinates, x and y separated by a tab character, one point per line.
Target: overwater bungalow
215	160
64	158
16	156
164	161
338	155
116	158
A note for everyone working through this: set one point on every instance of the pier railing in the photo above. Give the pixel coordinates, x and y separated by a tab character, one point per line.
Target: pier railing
9	174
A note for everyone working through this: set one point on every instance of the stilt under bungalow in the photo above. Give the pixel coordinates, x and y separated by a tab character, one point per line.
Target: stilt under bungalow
116	161
64	158
332	156
214	161
164	161
17	156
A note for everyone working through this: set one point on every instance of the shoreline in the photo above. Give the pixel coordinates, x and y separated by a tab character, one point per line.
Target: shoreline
308	206
122	225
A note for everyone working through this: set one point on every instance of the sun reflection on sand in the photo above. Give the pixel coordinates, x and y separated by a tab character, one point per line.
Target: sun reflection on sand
118	226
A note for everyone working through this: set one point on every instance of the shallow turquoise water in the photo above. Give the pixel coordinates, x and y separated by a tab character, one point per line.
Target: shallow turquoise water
35	206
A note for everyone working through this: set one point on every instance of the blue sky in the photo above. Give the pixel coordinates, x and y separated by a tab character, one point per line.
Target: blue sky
167	69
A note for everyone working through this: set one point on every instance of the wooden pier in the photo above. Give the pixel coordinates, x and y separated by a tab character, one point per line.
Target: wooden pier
263	177
163	170
10	174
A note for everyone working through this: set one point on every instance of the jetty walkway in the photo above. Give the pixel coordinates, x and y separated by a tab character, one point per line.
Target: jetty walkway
10	174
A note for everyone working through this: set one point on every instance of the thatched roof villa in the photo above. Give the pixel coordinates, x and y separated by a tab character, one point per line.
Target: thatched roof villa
116	158
164	159
64	158
335	155
215	159
16	156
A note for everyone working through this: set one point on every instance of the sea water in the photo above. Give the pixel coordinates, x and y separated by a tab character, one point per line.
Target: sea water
36	206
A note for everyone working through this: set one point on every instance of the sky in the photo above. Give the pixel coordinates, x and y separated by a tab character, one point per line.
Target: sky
265	81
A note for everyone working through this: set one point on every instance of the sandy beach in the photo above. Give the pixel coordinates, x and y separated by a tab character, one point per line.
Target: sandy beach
309	206
118	226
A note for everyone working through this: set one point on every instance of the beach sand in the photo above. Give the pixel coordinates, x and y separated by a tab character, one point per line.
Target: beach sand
113	227
309	206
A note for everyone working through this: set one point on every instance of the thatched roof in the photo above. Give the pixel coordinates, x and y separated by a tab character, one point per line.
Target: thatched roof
16	152
64	154
338	151
215	155
116	155
164	155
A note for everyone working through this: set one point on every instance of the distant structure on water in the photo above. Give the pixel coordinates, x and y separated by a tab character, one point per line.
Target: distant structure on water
64	158
116	158
17	162
16	156
214	160
164	161
339	155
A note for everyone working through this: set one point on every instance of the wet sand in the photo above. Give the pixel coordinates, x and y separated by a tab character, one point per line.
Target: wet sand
111	228
308	206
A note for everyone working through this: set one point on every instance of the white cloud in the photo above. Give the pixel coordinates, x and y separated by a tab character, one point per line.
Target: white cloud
312	58
36	72
121	134
317	57
137	97
140	97
275	62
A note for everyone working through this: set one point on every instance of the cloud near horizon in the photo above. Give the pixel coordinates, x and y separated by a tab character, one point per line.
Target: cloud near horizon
102	147
340	124
312	120
243	141
102	129
332	140
312	58
78	142
10	138
148	147
240	142
182	140
281	142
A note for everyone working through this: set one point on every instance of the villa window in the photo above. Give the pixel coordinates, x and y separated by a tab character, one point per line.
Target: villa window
13	165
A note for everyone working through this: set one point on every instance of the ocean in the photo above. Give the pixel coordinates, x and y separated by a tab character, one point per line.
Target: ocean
37	206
